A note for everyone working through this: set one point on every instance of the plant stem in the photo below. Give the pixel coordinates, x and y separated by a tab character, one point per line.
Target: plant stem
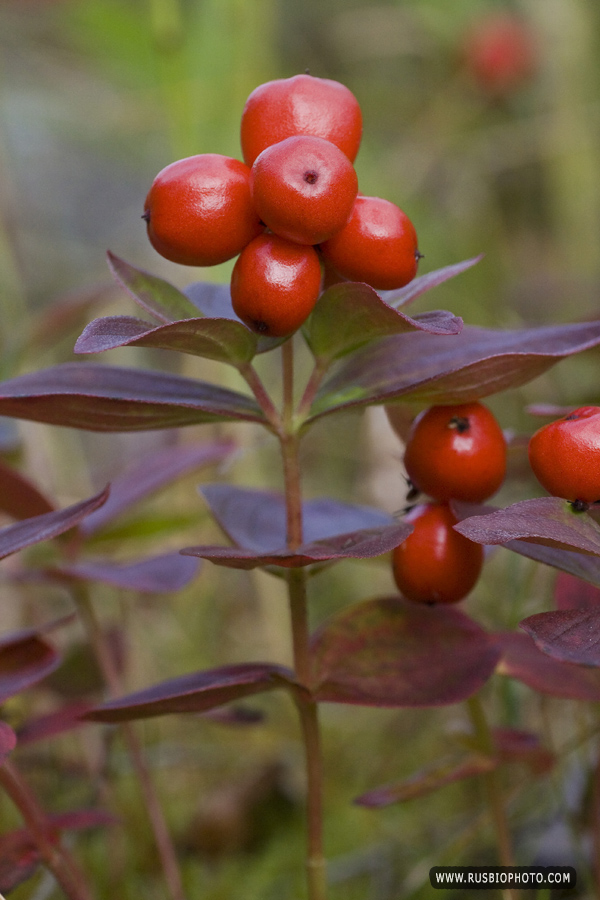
307	708
56	858
106	662
250	375
493	788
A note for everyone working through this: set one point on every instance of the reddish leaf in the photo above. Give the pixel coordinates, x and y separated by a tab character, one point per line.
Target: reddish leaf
423	283
156	574
349	315
256	520
218	339
429	368
573	593
8	741
547	520
364	544
196	692
516	745
161	299
53	724
49	525
390	652
522	660
19	498
426	781
569	635
25	658
152	472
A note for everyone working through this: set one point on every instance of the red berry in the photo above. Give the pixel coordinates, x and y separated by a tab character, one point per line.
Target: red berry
378	245
456	452
199	210
303	188
302	104
275	284
436	564
500	53
565	455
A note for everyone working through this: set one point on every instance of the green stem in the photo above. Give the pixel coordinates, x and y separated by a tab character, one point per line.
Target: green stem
493	787
55	857
307	707
105	659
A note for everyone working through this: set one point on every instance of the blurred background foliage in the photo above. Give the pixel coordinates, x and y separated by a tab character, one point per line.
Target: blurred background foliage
96	96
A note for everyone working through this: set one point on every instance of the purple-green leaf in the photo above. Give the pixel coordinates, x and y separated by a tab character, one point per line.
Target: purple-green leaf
107	398
390	652
218	339
150	473
521	659
363	544
423	283
8	741
569	635
429	368
19	498
155	295
25	658
48	525
349	315
165	573
196	692
573	593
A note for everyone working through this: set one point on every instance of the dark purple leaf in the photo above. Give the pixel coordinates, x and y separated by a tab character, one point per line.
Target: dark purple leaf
364	544
49	525
161	299
166	573
152	472
513	745
430	368
569	635
426	781
256	520
25	658
106	398
19	498
349	315
573	593
218	339
8	741
522	660
425	282
546	520
53	724
390	652
196	692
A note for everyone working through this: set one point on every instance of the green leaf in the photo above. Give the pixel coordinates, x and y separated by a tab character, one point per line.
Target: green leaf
161	299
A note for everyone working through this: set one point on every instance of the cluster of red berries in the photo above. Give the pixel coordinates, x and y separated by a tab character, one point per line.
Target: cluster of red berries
290	206
452	453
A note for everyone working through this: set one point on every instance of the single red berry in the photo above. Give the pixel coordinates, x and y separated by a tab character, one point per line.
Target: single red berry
500	53
303	188
436	564
199	210
456	452
565	455
275	284
378	245
302	104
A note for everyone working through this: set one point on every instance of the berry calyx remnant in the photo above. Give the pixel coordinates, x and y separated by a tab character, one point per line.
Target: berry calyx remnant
199	210
565	455
456	452
378	245
275	284
303	188
302	104
436	564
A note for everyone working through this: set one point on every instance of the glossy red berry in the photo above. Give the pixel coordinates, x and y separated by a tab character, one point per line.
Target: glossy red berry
500	53
199	210
456	452
436	564
378	245
565	455
275	285
303	188
302	104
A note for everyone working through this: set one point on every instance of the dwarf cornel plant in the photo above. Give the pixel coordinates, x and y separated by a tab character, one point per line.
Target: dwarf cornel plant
300	137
